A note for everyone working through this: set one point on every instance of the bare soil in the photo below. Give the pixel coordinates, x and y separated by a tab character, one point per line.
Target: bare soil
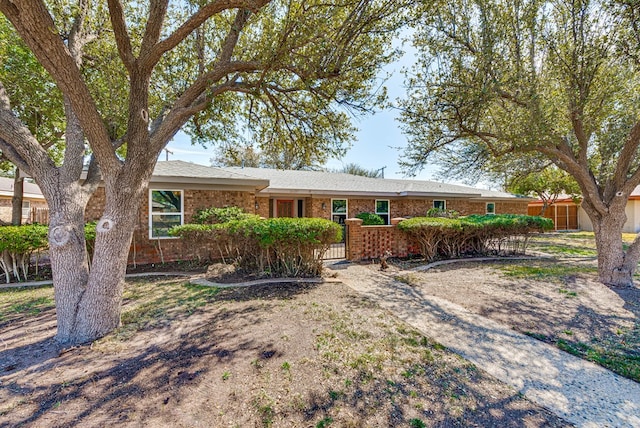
284	355
559	301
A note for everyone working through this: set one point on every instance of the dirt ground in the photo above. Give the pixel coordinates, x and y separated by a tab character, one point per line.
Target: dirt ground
573	307
290	355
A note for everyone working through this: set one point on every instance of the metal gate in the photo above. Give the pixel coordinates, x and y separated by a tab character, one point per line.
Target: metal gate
336	251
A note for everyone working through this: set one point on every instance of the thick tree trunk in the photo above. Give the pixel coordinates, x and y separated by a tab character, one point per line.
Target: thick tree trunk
89	301
615	266
16	200
68	254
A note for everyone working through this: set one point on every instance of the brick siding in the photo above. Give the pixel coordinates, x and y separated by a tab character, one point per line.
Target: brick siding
368	242
371	242
145	250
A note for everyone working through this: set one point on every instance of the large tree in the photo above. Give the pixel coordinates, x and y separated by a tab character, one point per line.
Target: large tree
209	62
557	78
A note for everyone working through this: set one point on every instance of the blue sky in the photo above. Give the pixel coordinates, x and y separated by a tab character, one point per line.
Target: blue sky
376	144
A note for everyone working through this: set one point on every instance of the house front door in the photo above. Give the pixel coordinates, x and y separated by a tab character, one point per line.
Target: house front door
285	208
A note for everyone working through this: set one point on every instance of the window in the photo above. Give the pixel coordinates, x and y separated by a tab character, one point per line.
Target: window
382	209
491	208
441	205
339	210
165	211
26	209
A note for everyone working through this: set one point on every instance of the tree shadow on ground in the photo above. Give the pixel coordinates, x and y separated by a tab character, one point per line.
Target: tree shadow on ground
166	370
279	291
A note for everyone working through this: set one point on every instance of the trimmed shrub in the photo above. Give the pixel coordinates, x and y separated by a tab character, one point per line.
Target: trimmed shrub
474	234
439	212
370	219
287	247
221	215
17	244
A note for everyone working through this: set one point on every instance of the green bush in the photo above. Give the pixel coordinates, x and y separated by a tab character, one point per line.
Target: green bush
17	244
370	219
221	215
439	212
474	234
287	247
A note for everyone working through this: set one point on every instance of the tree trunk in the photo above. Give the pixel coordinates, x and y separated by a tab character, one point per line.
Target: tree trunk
615	266
16	200
89	302
68	253
543	209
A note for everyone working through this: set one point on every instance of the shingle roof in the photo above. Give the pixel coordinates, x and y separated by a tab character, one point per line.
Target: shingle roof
30	190
186	172
320	182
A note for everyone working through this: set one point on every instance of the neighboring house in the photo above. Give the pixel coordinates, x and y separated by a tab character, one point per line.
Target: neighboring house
632	211
177	189
564	213
32	200
567	215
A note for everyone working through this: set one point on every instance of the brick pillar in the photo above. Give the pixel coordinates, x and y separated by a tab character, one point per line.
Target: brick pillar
355	245
401	244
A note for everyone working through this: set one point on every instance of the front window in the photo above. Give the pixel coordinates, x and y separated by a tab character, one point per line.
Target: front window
165	211
441	205
26	209
382	209
339	210
491	208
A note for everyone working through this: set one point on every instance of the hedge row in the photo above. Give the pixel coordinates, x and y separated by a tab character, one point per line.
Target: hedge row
475	234
287	247
17	244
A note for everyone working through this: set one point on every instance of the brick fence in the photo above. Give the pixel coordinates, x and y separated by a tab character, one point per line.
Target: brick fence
371	242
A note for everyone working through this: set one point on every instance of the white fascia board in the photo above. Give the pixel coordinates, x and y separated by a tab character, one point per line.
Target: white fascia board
501	198
255	184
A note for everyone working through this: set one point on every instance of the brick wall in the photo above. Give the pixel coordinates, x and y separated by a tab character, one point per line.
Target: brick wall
466	207
145	250
314	208
263	207
371	242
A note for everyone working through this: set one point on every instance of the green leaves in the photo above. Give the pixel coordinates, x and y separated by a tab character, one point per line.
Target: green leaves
221	215
370	219
23	239
474	234
17	243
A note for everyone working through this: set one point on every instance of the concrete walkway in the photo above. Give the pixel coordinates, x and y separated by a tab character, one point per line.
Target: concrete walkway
582	393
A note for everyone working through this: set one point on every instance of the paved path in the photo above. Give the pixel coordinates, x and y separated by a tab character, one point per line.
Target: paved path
580	392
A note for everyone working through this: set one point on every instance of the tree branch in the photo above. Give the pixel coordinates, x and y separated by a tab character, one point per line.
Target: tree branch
183	107
13	156
18	143
584	178
93	177
151	58
157	13
625	159
121	34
